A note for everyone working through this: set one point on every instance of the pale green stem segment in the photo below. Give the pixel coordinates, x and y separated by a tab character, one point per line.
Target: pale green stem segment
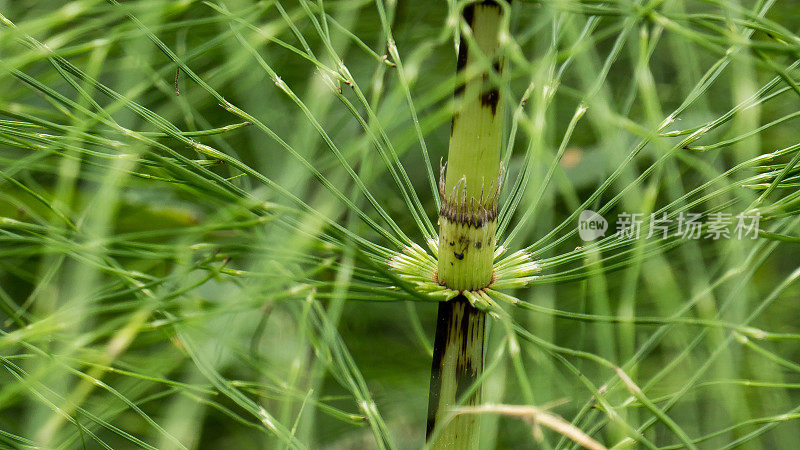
467	226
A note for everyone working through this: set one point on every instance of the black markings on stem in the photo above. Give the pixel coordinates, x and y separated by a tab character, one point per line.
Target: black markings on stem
489	99
460	328
177	72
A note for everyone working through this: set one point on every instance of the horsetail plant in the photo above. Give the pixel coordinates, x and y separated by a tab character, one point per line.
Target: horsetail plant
469	190
462	271
209	211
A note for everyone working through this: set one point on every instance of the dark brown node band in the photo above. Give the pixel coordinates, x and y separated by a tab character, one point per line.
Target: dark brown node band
475	212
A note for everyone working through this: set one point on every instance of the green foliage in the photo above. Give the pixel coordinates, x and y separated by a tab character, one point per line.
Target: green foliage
244	264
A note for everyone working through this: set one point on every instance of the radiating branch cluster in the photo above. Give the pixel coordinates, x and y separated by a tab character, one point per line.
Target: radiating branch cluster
418	267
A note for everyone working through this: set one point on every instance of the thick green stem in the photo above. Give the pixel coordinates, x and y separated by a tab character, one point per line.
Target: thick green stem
469	192
457	361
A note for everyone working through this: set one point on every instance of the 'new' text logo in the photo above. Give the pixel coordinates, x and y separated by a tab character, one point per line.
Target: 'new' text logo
591	225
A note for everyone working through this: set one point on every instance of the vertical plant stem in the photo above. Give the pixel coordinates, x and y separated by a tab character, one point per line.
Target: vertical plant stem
467	223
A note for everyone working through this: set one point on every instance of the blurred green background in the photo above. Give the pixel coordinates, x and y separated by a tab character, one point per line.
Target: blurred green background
168	283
